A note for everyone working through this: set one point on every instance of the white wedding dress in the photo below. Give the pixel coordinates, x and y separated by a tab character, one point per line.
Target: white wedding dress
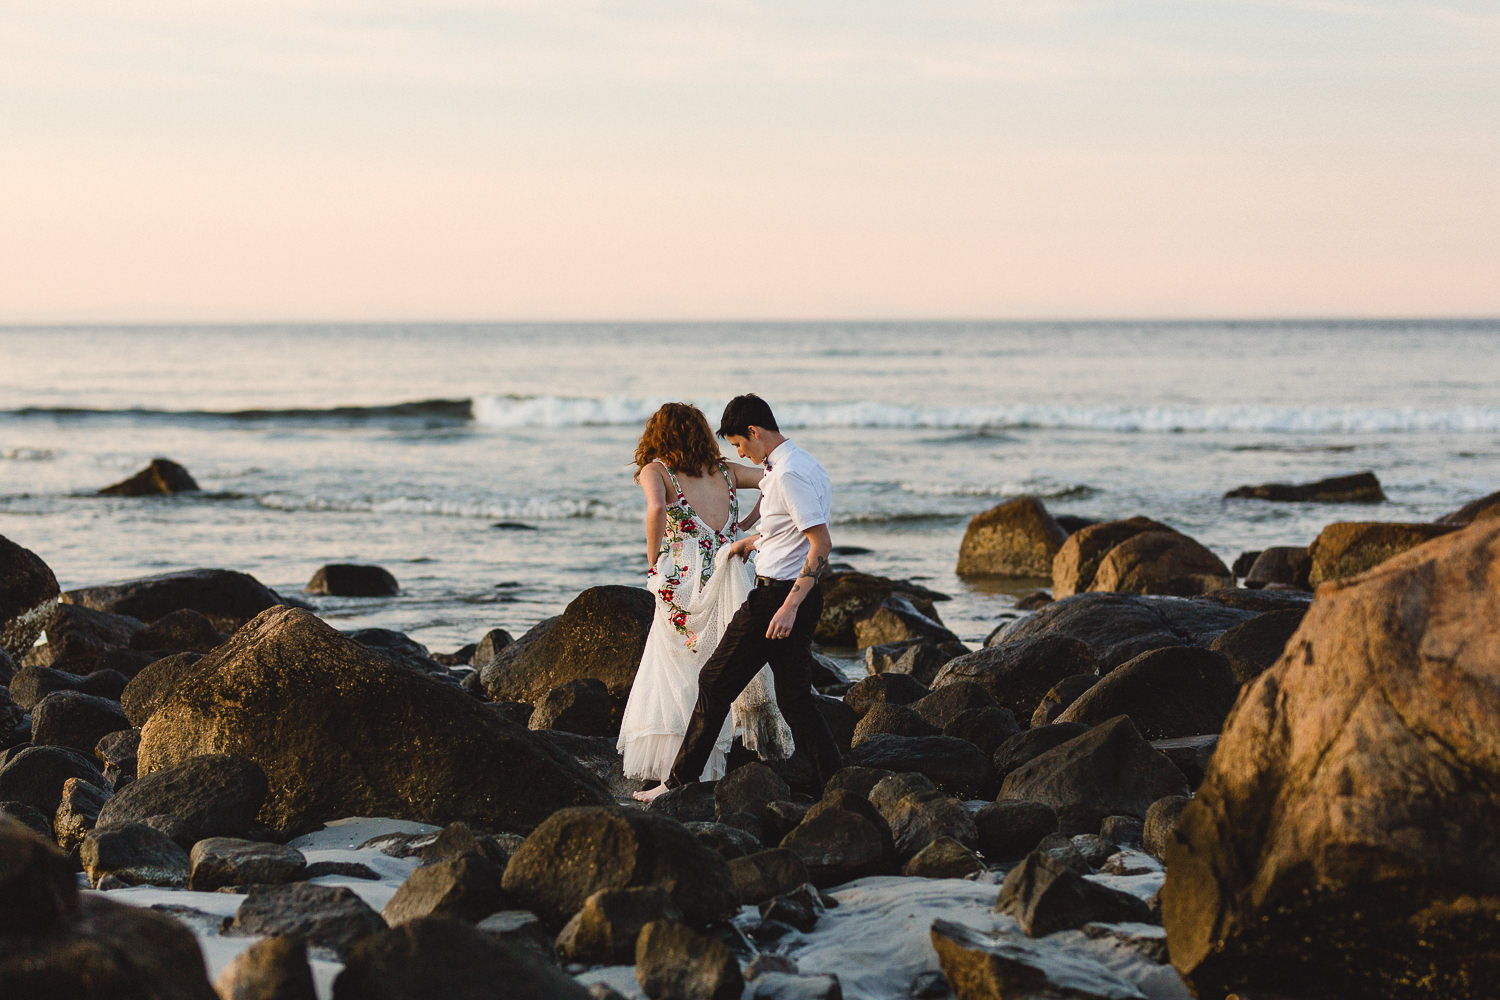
698	586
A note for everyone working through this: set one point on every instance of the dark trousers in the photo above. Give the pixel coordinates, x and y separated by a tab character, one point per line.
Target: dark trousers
741	652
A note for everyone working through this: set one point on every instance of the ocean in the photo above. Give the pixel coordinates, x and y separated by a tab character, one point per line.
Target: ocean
487	466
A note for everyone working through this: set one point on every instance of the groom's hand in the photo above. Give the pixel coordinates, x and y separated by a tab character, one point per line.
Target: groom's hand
743	547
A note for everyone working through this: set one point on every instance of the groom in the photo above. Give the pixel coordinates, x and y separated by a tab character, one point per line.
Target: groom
775	624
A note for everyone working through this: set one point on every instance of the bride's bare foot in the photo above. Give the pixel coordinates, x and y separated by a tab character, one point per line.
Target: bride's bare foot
648	794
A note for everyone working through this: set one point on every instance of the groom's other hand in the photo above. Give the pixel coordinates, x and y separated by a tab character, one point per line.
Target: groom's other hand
743	547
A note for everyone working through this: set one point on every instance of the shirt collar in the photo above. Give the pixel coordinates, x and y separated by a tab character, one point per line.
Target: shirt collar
779	455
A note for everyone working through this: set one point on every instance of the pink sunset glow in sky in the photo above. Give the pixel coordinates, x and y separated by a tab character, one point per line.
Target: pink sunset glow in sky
168	160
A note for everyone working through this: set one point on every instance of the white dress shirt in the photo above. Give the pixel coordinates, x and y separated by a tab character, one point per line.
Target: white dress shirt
795	495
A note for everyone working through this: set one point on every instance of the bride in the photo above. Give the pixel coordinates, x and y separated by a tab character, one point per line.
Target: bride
692	513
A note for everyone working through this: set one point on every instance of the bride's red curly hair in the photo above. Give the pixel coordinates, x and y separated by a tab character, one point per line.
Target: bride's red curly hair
679	435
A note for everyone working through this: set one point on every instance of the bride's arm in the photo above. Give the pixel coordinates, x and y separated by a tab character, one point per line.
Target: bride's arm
747	477
656	513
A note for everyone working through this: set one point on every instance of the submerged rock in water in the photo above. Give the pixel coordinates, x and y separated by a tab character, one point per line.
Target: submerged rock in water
28	596
1359	487
1340	842
1015	538
387	741
352	580
162	477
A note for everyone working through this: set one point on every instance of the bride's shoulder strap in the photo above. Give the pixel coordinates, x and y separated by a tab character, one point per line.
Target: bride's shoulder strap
670	474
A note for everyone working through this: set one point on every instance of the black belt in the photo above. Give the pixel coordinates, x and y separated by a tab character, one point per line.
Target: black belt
771	581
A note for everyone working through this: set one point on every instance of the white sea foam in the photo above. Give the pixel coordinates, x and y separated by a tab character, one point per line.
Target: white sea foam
560	411
532	509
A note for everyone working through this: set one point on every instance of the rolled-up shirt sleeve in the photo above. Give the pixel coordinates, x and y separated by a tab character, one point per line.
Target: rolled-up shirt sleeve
807	504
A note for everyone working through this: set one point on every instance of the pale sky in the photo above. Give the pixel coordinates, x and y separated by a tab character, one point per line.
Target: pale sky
242	160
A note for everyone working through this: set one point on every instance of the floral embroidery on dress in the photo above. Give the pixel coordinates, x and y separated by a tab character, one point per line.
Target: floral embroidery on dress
684	526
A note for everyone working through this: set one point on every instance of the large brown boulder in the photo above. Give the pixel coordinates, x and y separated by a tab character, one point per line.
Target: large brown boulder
1161	562
28	596
339	732
601	634
1348	548
1016	538
1360	487
1341	843
161	477
1075	564
225	597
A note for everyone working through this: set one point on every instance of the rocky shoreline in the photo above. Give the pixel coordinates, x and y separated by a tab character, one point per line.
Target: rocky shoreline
1172	777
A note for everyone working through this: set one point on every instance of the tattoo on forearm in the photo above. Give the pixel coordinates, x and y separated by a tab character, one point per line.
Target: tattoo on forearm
814	567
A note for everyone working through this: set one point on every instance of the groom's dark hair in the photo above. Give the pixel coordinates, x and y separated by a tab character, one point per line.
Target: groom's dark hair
742	412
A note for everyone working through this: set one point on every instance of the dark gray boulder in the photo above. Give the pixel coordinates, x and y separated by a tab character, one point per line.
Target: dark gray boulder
842	837
1117	627
581	706
741	798
987	728
918	814
325	916
576	852
944	858
135	854
988	968
884	718
1167	693
81	640
1106	771
437	957
951	700
849	596
955	766
36	775
226	597
1045	897
765	875
1059	697
1020	672
605	929
74	719
182	631
28	596
897	619
1012	828
464	888
675	962
215	795
1281	565
1251	647
77	812
889	688
232	861
920	659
